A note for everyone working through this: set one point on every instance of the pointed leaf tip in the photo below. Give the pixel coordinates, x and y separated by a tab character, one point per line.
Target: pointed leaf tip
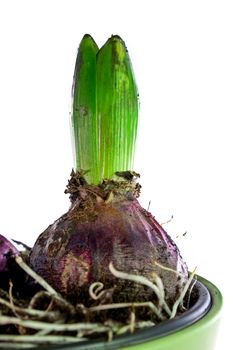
88	40
117	38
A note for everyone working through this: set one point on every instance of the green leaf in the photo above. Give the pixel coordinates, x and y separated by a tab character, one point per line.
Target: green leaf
117	108
84	117
105	109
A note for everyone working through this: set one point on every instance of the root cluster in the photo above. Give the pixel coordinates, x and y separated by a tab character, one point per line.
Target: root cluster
48	318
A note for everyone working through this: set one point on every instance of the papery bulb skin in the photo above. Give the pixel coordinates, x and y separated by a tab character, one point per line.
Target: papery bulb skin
107	224
9	270
7	252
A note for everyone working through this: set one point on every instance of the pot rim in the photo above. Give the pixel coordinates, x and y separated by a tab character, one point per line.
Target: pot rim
208	295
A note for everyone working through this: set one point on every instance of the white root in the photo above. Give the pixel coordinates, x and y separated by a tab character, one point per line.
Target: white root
5	346
39	339
96	290
4	320
34	275
46	330
182	294
144	281
28	311
52	292
149	304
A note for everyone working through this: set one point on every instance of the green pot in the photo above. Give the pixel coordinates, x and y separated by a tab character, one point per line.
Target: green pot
195	329
200	335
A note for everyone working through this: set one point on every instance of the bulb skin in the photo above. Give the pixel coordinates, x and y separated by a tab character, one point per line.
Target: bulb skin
7	252
76	249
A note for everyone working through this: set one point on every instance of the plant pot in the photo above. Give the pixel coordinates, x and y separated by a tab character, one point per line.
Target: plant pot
195	329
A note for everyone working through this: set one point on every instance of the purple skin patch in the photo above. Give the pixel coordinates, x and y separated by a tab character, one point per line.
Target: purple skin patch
76	250
7	251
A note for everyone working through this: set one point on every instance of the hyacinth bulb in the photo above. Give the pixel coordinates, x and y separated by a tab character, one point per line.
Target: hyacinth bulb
106	224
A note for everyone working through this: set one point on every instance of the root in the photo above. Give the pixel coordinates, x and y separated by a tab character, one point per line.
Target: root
168	221
48	318
34	275
158	289
182	294
115	306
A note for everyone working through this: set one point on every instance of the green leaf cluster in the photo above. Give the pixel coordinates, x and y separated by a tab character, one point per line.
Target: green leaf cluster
104	109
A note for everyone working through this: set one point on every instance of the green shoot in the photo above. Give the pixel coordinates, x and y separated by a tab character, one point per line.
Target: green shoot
105	109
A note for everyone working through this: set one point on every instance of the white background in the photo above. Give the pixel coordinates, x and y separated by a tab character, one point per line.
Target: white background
183	61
